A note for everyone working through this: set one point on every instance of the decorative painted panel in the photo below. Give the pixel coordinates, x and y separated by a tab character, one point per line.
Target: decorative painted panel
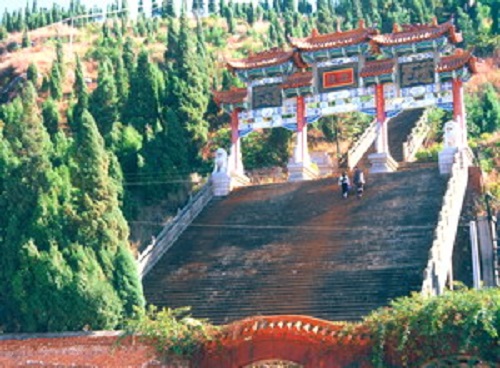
268	95
416	73
271	117
417	97
336	78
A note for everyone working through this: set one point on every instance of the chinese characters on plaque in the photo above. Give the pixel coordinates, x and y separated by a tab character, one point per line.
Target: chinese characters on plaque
331	79
268	95
416	73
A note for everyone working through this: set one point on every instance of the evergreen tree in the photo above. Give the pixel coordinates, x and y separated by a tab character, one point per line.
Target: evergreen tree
172	41
25	40
141	110
50	116
129	55
190	91
32	74
104	102
55	83
26	198
324	22
289	6
125	10
60	58
231	24
81	94
99	221
121	79
491	109
212	7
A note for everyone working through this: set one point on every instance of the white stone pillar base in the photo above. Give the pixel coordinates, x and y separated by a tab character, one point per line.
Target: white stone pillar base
382	163
299	171
445	158
221	184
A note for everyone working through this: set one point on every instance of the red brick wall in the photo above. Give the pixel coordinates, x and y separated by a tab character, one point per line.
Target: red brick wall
77	349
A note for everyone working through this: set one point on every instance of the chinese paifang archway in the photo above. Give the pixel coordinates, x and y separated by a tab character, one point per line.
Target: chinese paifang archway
361	70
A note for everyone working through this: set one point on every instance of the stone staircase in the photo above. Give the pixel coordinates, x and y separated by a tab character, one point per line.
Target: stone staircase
399	128
299	248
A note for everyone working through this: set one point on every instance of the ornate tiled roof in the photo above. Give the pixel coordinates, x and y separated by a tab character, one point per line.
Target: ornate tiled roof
274	56
332	40
297	80
378	67
233	96
418	33
456	61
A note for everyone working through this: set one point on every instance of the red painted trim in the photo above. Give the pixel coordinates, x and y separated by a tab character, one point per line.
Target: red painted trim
300	113
380	102
234	126
457	99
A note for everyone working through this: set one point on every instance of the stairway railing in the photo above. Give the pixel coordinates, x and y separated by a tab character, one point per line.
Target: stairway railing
439	265
173	229
362	145
416	138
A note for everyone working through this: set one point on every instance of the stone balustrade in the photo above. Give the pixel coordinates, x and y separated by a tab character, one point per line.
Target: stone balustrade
439	266
362	145
416	138
173	229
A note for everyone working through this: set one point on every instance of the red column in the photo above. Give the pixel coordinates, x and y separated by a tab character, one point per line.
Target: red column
301	137
234	126
235	147
300	113
458	109
381	140
380	102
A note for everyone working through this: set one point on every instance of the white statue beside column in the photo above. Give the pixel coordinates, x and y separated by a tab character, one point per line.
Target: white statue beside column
221	180
453	141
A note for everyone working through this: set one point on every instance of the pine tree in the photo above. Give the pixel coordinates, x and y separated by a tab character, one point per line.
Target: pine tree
190	91
55	82
231	24
213	7
141	110
491	109
99	220
121	78
26	40
32	74
60	58
172	41
26	199
125	10
324	21
129	55
50	116
81	94
104	102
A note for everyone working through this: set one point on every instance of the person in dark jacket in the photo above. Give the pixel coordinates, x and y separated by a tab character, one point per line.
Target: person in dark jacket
359	181
344	184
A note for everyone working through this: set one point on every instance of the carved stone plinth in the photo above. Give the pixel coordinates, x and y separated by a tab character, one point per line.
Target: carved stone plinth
382	163
298	171
445	158
324	163
221	184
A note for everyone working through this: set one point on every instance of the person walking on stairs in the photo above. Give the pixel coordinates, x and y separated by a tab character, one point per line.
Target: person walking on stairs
344	184
359	181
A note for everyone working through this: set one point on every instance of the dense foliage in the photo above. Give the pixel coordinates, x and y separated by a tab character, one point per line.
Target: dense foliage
421	328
